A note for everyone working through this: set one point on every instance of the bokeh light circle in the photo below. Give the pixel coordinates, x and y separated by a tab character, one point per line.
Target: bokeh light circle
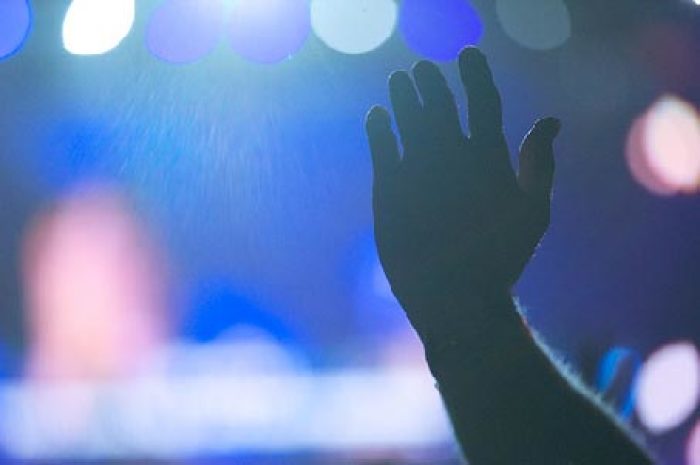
15	21
668	386
183	31
672	142
268	31
353	26
94	28
638	163
663	148
692	450
439	29
535	24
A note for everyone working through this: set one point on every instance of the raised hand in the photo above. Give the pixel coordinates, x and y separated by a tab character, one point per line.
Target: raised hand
449	210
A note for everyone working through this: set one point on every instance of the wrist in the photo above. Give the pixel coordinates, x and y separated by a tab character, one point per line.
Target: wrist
453	311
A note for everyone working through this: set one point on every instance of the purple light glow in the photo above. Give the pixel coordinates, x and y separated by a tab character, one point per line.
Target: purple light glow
439	29
268	31
183	31
15	19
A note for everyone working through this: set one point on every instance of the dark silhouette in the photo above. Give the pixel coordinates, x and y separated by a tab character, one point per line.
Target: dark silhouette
455	227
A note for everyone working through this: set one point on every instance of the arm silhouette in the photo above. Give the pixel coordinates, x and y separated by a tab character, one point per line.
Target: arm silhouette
455	226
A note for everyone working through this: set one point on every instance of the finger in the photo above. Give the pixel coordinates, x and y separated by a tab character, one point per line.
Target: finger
484	102
408	111
382	142
438	101
536	172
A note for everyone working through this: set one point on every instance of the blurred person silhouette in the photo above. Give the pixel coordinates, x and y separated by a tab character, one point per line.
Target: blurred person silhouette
96	292
455	226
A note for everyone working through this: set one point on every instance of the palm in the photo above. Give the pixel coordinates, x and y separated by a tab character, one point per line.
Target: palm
452	206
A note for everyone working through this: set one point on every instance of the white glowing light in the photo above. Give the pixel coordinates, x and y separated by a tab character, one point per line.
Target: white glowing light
96	27
672	142
353	26
663	148
214	413
668	387
535	24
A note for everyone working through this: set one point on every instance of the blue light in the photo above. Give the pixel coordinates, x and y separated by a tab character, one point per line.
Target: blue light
15	20
183	31
268	31
354	26
616	376
439	29
218	307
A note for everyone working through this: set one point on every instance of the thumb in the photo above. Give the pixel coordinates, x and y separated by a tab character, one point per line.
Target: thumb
536	171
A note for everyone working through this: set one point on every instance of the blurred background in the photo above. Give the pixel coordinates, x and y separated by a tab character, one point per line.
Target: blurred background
187	270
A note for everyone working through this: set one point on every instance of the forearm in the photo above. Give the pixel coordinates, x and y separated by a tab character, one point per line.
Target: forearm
509	402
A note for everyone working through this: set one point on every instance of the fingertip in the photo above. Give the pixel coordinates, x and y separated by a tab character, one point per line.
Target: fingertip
548	128
470	54
425	67
377	118
398	77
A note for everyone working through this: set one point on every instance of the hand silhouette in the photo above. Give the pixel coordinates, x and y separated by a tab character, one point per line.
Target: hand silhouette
450	213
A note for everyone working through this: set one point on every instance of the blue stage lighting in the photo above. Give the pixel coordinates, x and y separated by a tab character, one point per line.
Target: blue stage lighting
15	21
439	29
268	31
353	26
616	376
183	31
218	308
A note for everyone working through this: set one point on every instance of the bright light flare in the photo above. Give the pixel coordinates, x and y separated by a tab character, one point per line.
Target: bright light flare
668	387
96	27
354	26
663	148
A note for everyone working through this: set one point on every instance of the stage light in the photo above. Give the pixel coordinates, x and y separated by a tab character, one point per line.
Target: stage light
663	148
439	29
183	31
692	450
672	142
638	163
668	387
616	377
353	26
15	21
94	28
215	412
268	31
535	24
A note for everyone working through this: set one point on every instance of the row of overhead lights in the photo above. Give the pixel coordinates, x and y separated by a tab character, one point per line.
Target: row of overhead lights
268	31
